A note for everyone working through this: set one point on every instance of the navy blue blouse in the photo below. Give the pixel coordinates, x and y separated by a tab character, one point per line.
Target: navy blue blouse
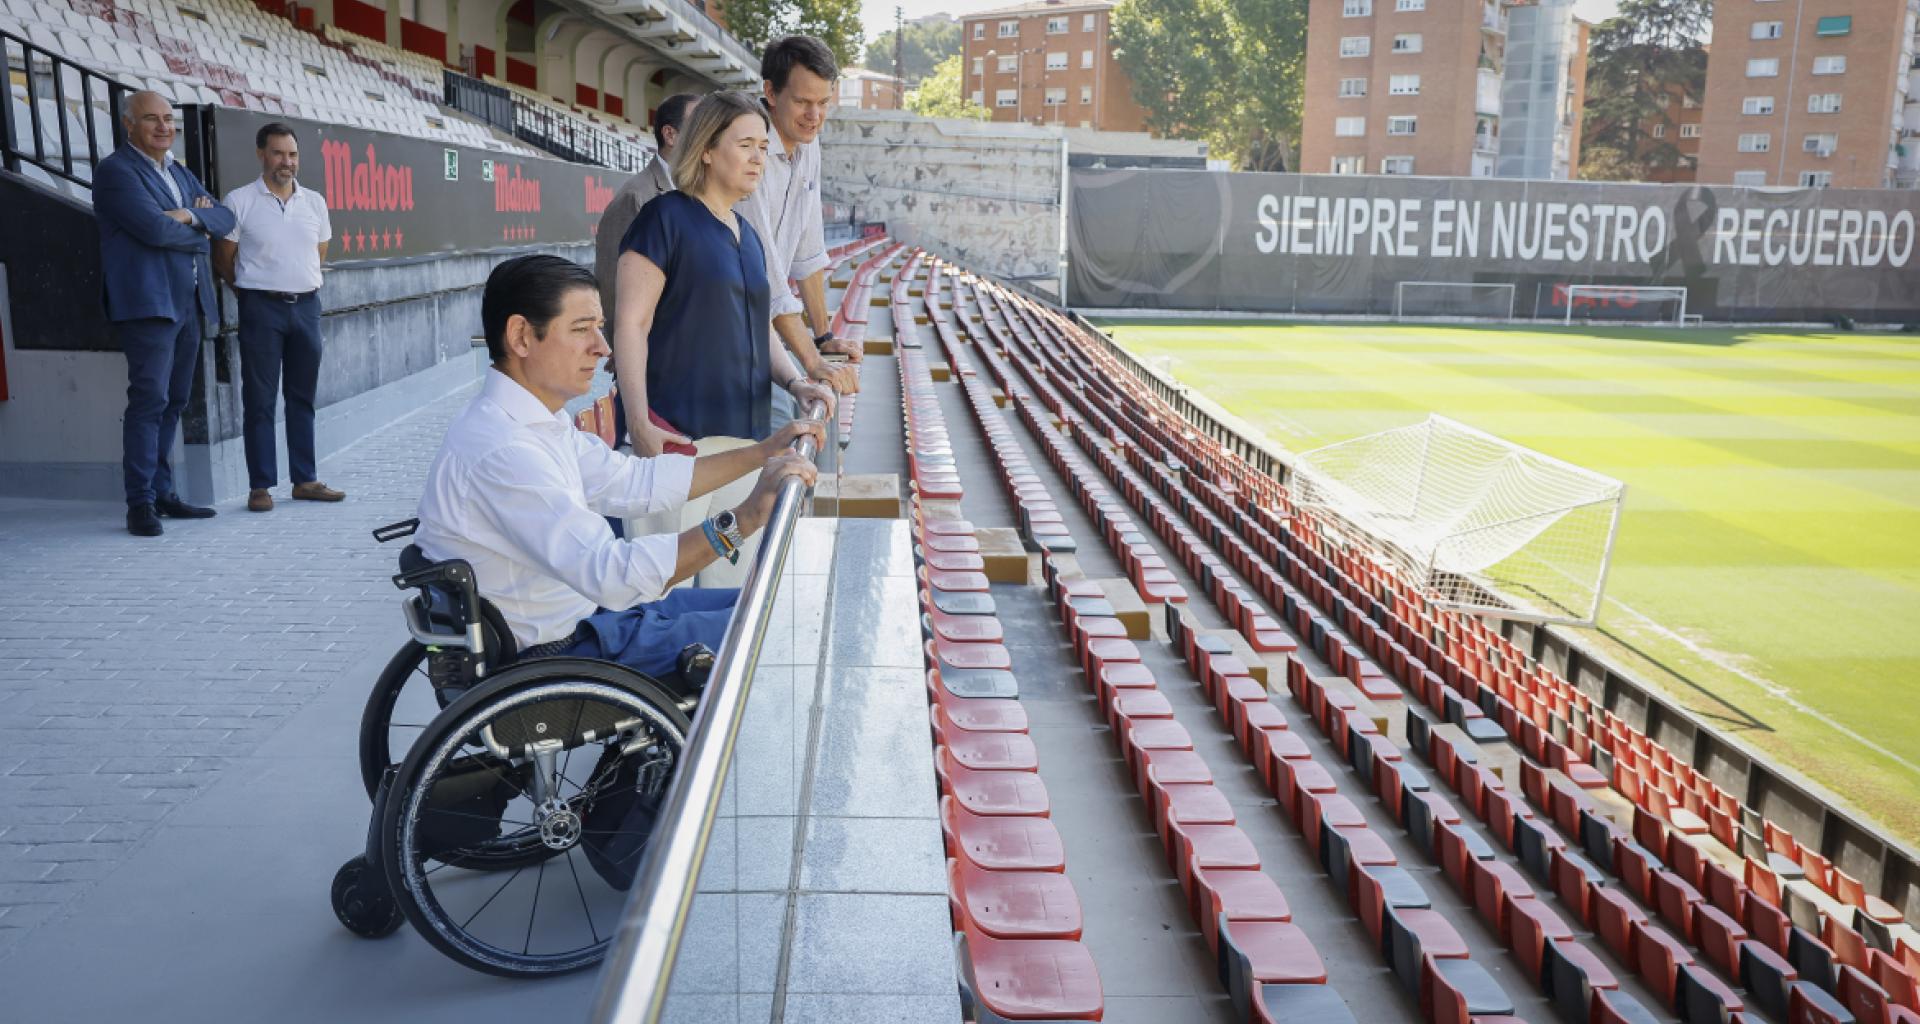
707	371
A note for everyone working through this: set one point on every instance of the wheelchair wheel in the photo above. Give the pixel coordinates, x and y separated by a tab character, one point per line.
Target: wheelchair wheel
362	903
513	828
403	701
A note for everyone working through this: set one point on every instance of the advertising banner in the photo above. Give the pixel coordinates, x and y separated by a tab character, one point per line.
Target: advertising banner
1292	243
392	195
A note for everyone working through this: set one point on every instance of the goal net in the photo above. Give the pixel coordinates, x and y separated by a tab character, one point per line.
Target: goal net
1419	300
1479	523
1621	303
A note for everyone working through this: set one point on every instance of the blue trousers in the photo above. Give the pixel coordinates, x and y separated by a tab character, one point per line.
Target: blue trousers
279	351
649	637
162	356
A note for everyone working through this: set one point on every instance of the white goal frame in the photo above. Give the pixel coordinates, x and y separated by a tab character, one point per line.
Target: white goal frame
1400	287
1664	291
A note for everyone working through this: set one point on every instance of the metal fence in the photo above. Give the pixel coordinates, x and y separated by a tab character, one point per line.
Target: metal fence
67	119
546	128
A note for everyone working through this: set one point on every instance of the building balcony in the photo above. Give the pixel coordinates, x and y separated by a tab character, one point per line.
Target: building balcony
1486	142
1486	93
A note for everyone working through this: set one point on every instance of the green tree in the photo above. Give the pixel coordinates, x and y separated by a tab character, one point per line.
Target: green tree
924	43
1638	62
759	22
1226	71
940	93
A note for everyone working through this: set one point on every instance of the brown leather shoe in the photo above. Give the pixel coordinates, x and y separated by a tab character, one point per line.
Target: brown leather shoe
259	500
314	490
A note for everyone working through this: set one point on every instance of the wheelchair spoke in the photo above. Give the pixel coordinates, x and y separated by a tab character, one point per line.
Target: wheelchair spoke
584	906
534	914
496	895
478	817
579	709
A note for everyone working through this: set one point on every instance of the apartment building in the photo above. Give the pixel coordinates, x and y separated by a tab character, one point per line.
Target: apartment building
1543	91
1403	87
1679	124
1049	62
1813	93
861	89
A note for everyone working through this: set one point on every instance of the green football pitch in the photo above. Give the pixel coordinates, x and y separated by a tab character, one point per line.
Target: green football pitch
1767	572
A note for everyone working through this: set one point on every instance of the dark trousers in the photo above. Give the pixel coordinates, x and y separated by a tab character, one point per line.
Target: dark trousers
279	351
162	356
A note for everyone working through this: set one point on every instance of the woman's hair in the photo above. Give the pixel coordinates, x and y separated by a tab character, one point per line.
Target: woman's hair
533	287
711	118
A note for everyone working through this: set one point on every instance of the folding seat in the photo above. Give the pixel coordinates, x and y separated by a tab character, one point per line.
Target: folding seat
1500	809
1721	889
1196	803
1490	885
1812	958
1700	997
1293	780
989	792
1897	981
1767	923
1367	748
1320	1004
1346	847
1169	767
1411	934
1255	718
1394	781
1122	675
1425	813
1266	747
1673	899
1686	861
1234	692
1571	975
1528	925
1634	867
1614	918
1767	976
1862	998
1102	651
1808	1003
960	628
1718	937
1534	844
1258	953
1209	847
1615	1007
1004	843
1152	734
1014	904
1236	895
1026	979
1137	704
1460	991
1657	955
1848	946
1455	846
988	751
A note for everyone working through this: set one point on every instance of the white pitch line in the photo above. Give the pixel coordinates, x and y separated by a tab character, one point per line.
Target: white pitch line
1775	690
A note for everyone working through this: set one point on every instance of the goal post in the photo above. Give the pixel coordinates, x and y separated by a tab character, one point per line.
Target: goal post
1479	300
1476	522
1600	303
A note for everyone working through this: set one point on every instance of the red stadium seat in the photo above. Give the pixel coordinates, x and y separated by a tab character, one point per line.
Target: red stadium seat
1014	904
1240	894
1001	843
1028	979
990	793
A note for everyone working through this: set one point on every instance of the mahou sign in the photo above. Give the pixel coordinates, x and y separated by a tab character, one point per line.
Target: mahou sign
391	196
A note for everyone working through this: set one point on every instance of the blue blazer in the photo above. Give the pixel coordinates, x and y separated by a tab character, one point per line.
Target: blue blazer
147	259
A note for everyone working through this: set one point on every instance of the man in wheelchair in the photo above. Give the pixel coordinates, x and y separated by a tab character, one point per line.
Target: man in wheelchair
522	496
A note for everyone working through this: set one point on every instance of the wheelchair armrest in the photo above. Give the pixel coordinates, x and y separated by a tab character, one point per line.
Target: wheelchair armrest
414	611
457	575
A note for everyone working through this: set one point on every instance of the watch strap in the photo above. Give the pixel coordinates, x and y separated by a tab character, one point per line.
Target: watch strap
720	545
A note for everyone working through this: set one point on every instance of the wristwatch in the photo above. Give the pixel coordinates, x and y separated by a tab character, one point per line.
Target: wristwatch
728	526
822	338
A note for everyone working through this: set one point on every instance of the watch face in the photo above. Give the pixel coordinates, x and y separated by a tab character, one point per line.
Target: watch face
724	520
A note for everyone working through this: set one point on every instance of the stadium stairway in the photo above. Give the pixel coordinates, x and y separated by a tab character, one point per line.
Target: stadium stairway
1856	960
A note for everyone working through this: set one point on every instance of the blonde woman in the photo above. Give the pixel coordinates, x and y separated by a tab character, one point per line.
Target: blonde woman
692	342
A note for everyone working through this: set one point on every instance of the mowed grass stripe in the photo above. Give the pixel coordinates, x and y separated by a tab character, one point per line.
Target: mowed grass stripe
1772	521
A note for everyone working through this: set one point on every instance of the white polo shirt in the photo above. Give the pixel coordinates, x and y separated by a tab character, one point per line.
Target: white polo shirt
279	241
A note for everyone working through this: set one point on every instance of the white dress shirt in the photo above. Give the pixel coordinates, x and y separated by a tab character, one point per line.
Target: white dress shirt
279	241
160	167
520	494
785	212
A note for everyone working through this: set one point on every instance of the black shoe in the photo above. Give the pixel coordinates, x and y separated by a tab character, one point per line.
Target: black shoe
696	664
173	508
142	521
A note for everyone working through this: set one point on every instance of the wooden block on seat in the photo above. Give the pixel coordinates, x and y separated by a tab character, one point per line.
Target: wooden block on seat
1007	559
999	399
939	372
860	496
1127	607
877	346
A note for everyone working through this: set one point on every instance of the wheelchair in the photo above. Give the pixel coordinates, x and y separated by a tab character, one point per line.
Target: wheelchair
513	797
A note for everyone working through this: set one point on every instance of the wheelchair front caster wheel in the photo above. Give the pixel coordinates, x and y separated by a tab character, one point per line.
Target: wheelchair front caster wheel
362	903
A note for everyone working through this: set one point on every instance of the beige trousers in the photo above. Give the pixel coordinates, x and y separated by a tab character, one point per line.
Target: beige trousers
690	515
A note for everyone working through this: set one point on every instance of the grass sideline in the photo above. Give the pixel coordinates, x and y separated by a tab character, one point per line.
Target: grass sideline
1767	574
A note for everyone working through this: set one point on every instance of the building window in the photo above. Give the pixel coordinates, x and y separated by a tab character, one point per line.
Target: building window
1356	8
1352	87
979	30
1396	165
1402	125
1750	179
1757	105
1756	142
1829	65
1086	23
1763	67
1086	59
1056	26
1346	165
1004	98
977	98
1406	42
1816	179
1689	131
1659	131
979	65
1820	144
1056	97
1404	85
1355	46
1409	5
1349	127
1768	29
1823	103
1057	61
1837	25
1009	29
1086	94
1007	63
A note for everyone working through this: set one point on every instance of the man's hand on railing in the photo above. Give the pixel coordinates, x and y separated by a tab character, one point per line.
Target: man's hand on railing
806	391
754	512
793	431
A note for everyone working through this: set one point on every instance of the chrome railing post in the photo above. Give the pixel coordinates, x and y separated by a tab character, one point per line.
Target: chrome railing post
633	985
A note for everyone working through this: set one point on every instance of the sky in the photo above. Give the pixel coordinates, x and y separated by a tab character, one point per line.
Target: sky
877	15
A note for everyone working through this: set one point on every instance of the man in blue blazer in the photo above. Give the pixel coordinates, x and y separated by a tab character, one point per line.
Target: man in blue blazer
155	219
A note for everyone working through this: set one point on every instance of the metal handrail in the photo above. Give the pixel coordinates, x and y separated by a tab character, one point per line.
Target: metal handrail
633	988
68	159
